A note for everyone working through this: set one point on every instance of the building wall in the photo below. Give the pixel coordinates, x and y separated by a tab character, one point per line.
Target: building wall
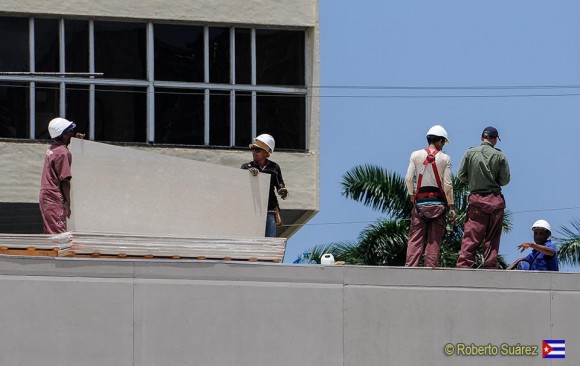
21	161
107	312
300	13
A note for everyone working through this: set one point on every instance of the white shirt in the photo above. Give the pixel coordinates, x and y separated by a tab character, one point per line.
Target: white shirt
443	162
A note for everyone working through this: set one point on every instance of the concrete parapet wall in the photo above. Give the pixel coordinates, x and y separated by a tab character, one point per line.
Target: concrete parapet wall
120	312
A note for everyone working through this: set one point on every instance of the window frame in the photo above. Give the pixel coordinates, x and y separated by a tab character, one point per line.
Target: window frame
150	84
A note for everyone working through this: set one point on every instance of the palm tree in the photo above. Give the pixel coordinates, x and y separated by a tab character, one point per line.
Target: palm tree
384	242
569	245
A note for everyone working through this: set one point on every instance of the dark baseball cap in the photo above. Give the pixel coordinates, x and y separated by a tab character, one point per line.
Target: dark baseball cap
490	132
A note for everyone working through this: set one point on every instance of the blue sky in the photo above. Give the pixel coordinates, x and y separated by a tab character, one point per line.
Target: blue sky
512	64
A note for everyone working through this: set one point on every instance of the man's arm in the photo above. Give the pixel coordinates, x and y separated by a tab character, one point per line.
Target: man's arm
448	188
462	172
409	179
65	188
545	250
504	172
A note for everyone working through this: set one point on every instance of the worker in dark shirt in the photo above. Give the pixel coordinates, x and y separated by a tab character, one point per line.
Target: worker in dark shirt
485	170
262	148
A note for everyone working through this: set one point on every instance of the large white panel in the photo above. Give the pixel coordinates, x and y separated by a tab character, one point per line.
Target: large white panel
119	189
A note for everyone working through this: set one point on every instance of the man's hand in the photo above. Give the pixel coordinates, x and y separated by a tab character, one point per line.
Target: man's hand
524	246
79	135
452	214
283	192
254	171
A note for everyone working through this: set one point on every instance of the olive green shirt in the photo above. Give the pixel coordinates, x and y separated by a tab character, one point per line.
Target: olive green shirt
484	169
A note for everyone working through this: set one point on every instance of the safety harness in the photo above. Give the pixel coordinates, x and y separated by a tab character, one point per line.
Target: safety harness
430	159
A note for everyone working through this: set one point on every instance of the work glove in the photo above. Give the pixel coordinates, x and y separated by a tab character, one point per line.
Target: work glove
283	192
253	171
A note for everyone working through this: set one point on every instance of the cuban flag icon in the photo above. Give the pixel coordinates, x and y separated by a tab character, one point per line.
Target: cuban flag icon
553	348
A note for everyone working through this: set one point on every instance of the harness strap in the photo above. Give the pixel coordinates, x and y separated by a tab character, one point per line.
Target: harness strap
430	160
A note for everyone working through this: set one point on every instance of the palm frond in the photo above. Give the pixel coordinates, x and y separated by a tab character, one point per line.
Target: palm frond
377	188
384	243
569	245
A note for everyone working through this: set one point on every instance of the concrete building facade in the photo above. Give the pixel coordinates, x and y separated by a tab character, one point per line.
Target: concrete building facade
122	312
195	79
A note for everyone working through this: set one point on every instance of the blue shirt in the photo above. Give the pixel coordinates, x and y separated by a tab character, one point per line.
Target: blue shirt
543	262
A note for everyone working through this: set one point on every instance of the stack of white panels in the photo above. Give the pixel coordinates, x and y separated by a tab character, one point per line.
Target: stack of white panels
37	241
168	246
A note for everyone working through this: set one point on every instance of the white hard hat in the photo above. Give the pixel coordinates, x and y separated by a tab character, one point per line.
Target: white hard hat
438	130
58	125
265	142
542	224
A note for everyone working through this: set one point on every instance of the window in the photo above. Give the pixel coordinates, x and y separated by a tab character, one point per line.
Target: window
243	56
120	50
280	57
144	82
219	118
279	115
178	53
14	104
179	116
14	45
243	119
76	42
46	45
77	107
120	114
46	107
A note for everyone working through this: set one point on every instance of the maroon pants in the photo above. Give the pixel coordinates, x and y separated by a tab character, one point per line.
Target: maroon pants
483	224
428	234
53	212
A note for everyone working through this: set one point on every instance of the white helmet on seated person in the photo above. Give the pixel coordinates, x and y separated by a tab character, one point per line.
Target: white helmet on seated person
542	224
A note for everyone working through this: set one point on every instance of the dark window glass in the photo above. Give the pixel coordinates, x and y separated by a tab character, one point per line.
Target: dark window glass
282	116
120	50
243	56
76	40
219	55
178	53
120	114
243	119
179	116
219	118
14	56
46	45
14	107
47	107
77	107
279	57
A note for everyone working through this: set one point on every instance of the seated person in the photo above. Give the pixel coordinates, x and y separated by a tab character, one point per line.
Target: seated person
544	256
